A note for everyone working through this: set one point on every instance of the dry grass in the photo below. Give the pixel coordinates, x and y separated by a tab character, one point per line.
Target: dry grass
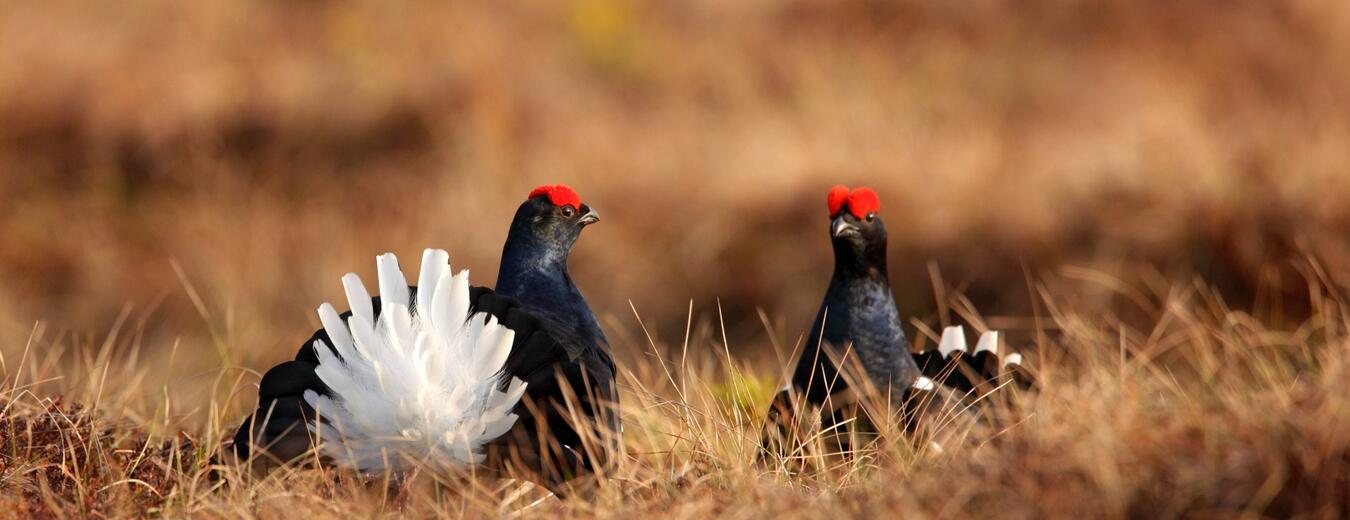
1148	195
1205	412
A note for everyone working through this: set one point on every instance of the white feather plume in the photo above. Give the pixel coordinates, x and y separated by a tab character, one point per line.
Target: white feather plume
420	384
988	342
953	340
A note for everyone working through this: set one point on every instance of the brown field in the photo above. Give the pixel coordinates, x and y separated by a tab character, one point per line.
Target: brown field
1149	196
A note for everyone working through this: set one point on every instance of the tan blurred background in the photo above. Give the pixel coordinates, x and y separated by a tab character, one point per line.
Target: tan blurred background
267	147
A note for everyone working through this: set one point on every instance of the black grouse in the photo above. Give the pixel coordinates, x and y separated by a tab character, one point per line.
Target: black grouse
520	380
859	325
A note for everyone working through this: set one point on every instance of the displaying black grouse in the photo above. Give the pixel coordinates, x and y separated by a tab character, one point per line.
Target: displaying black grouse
859	325
426	374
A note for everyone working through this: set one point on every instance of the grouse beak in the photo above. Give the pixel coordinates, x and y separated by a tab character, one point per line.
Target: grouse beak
588	218
840	227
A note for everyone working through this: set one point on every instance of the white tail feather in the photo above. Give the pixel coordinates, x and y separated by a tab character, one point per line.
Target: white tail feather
953	340
989	342
358	298
393	286
415	385
434	263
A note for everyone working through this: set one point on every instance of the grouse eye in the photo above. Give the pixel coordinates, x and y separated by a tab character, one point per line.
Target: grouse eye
871	216
568	211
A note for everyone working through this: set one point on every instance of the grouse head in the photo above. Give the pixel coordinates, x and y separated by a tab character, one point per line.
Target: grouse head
549	222
856	230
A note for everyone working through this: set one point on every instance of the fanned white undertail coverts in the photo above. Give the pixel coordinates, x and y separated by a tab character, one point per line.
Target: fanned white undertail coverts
420	384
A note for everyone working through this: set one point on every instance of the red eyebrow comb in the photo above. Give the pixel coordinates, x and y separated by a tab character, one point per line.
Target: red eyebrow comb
861	200
558	194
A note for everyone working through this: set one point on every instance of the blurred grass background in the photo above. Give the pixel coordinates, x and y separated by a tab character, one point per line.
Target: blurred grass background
265	148
1147	196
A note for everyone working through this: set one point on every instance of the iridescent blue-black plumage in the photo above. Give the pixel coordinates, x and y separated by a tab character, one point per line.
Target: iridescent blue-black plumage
858	317
534	271
859	325
580	366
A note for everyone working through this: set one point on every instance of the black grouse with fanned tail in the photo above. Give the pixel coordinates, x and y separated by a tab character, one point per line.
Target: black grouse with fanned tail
858	324
567	421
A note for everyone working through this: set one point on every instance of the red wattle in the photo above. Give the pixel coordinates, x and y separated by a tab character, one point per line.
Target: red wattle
860	200
838	196
558	194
